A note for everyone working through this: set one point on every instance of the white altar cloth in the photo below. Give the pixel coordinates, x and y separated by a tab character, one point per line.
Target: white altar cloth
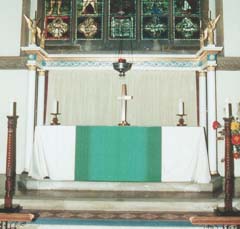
184	154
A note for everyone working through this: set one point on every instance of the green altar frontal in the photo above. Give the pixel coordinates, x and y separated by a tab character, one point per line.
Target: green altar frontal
118	154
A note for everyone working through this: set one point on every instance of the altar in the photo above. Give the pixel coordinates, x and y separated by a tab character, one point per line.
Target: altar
123	154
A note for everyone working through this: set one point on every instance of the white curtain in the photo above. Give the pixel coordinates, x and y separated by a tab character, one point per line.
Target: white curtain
89	97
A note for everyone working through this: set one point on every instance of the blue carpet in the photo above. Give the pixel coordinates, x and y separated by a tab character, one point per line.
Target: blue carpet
132	223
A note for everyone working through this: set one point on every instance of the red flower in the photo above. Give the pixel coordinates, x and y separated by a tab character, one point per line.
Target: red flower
216	125
236	155
236	139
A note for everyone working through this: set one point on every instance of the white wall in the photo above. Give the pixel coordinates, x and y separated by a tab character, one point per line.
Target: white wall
11	19
33	8
231	27
13	87
227	87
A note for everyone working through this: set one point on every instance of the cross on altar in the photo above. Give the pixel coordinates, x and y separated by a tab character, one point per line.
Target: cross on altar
124	97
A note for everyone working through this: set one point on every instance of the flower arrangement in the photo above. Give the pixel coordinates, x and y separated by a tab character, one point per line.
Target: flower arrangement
235	131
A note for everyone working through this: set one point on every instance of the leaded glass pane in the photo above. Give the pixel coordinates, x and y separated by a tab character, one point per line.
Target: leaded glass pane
154	19
58	19
122	19
89	19
186	19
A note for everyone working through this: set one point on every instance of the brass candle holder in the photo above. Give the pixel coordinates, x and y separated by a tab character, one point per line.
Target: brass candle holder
55	119
181	121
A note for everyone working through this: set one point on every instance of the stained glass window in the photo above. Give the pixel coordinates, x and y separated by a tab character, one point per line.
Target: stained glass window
154	19
58	19
186	19
89	19
122	19
105	22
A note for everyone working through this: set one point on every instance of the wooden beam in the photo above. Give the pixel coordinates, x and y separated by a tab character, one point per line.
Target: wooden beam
215	220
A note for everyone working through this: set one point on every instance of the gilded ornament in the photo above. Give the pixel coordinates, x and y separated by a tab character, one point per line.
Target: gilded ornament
32	26
88	27
57	28
209	31
42	37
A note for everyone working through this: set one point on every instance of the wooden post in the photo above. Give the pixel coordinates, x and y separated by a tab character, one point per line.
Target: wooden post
11	164
228	209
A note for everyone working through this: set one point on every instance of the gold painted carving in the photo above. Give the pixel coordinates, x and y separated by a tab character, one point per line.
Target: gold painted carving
32	26
31	67
209	31
211	68
89	28
57	27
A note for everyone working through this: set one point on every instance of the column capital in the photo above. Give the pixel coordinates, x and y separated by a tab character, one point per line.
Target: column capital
31	67
202	73
211	68
41	72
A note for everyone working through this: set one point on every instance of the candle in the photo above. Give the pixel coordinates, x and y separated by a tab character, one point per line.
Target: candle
13	109
56	107
209	14
200	24
180	107
228	109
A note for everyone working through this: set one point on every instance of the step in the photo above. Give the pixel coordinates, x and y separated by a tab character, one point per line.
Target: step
47	184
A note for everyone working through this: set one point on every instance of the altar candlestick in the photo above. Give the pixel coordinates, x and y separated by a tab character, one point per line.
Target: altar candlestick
124	97
180	107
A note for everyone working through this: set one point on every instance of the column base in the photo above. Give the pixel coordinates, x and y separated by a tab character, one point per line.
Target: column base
13	209
224	212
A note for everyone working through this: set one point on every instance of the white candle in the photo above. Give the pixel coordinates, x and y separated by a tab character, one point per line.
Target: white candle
228	105
180	107
13	109
56	106
228	109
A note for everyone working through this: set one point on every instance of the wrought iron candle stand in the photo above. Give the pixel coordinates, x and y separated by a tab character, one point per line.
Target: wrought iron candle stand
11	165
181	121
55	119
228	209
